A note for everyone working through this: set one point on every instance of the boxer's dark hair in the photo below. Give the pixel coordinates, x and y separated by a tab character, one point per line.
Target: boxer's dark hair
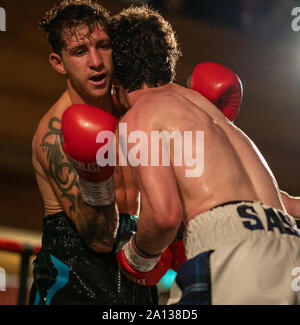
145	48
72	14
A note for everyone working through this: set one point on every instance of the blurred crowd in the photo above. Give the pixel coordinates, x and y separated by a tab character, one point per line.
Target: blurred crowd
256	17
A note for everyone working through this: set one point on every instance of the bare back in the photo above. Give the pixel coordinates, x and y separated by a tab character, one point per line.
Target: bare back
233	167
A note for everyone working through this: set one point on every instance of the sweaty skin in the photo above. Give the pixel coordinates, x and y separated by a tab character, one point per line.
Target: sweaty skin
82	58
234	169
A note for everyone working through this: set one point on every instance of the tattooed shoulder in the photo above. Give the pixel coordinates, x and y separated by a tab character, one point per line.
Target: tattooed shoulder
58	167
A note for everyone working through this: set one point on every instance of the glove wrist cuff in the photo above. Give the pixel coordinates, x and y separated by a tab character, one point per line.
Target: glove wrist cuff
137	259
97	194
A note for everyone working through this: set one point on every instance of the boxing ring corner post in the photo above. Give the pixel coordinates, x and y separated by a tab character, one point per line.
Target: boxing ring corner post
25	251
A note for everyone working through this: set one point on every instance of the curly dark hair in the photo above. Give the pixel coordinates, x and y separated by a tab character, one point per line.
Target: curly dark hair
145	48
72	14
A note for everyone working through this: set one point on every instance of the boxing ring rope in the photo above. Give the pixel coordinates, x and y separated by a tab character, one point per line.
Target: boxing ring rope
25	251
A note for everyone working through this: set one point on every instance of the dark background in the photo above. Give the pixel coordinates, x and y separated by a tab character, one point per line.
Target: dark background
253	38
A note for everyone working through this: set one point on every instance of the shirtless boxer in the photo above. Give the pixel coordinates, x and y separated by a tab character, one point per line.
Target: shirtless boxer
77	264
222	90
240	243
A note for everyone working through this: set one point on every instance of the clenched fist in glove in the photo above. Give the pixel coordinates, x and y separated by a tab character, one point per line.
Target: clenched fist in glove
219	85
81	125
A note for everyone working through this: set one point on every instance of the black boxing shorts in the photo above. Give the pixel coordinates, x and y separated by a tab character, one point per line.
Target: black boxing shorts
67	272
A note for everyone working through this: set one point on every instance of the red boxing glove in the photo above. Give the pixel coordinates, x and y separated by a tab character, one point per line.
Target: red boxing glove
142	269
178	254
87	150
219	85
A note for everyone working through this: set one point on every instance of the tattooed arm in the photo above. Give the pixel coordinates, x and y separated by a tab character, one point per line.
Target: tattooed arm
96	225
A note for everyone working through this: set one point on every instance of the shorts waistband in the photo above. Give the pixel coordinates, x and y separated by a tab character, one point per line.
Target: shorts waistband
230	202
233	222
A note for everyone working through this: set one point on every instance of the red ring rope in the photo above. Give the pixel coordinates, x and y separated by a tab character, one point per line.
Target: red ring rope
17	247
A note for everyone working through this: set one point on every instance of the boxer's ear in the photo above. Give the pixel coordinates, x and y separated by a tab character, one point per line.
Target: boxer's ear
188	82
57	64
115	86
115	81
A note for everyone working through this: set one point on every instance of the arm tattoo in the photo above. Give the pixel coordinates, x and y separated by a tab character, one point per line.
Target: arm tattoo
95	224
58	163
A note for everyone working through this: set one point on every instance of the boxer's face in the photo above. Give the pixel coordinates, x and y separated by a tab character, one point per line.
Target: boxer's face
86	59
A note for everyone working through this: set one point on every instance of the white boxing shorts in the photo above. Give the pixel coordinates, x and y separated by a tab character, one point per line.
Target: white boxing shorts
240	253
